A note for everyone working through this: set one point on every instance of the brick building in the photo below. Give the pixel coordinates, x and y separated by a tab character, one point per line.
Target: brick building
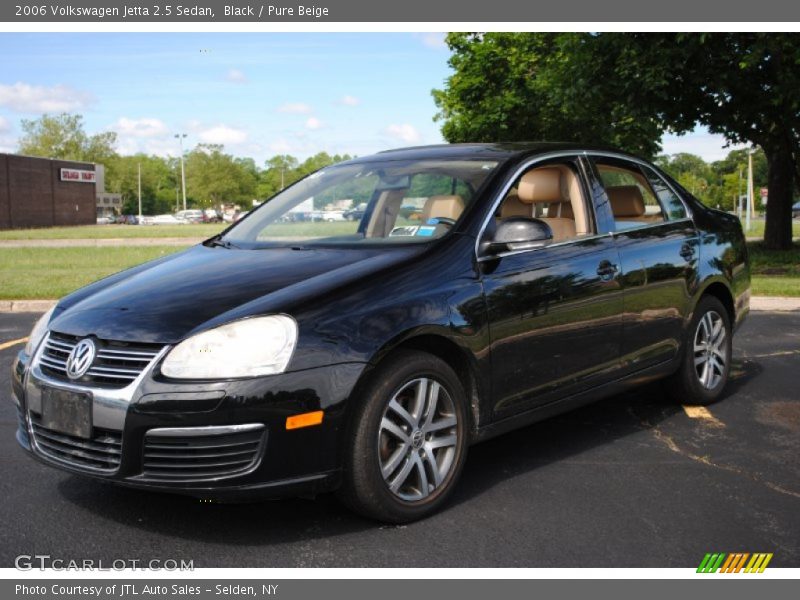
39	192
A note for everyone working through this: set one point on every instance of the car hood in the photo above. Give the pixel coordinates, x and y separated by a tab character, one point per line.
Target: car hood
205	286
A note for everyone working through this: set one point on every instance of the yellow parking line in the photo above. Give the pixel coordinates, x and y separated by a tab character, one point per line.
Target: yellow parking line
10	343
701	412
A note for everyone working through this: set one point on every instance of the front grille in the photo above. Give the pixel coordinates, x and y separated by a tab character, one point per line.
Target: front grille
101	453
194	454
115	366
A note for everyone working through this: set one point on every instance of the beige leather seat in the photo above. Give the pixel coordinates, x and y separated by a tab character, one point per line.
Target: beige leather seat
513	207
544	185
560	209
627	204
447	207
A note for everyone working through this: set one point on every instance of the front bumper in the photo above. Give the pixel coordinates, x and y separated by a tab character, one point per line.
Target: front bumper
245	418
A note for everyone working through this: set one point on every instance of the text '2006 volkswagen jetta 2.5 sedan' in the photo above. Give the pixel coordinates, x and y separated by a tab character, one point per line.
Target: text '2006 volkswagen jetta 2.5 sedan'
483	288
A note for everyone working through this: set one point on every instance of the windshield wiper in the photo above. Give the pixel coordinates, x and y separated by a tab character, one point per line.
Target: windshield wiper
217	241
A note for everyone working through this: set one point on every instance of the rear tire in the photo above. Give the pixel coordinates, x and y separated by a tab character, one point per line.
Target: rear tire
707	355
408	442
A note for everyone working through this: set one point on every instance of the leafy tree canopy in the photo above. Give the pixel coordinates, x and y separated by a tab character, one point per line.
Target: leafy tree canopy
62	136
626	90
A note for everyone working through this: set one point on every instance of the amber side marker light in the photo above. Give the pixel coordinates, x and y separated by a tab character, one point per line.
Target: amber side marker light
304	420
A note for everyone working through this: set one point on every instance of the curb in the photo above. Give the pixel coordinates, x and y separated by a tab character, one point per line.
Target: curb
757	303
26	306
774	304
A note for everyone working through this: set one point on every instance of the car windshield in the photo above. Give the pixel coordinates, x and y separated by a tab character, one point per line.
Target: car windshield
369	203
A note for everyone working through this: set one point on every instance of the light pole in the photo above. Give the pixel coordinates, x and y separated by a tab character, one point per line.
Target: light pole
180	137
140	192
739	197
749	187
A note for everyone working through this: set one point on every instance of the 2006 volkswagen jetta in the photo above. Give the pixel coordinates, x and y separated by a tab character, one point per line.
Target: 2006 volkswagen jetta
484	287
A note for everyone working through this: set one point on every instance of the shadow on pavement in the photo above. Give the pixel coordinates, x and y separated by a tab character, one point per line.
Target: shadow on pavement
292	520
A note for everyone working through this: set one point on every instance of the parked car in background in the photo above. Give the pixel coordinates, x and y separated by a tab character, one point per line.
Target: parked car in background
211	215
796	210
105	220
168	220
191	215
538	278
355	213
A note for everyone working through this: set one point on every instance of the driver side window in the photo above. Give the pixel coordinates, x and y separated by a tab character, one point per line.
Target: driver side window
553	194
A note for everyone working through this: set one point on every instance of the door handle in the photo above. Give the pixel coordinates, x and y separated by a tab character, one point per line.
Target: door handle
687	252
606	270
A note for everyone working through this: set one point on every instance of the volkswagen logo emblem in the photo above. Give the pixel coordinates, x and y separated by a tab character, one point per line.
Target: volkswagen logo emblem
81	358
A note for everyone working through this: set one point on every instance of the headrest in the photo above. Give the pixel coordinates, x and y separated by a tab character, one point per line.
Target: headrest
448	207
540	185
560	209
626	200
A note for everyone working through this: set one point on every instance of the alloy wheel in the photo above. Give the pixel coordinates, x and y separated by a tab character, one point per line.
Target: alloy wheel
710	350
417	439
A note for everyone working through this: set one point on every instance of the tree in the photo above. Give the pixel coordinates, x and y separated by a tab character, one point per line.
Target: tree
741	85
279	172
214	178
626	89
159	182
62	136
529	86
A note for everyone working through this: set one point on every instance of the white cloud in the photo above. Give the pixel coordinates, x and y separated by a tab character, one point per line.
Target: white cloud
144	127
313	123
236	76
433	40
349	101
167	147
295	108
24	97
709	146
5	126
222	134
405	133
281	146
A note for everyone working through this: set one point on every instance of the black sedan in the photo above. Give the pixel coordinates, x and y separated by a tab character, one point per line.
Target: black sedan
283	358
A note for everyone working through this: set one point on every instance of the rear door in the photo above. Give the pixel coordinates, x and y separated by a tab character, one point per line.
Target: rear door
658	249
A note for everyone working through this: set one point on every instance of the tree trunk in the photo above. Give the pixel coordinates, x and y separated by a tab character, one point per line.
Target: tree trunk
778	231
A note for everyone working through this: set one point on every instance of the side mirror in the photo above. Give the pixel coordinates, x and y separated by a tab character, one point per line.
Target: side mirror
520	233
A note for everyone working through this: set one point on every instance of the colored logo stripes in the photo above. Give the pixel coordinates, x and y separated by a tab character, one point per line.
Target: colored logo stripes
734	563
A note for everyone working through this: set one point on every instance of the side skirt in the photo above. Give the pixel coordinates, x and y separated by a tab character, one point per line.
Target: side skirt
569	403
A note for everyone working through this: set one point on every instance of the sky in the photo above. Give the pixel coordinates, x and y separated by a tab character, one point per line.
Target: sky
258	94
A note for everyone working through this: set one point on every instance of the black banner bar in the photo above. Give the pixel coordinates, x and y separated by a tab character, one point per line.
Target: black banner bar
418	11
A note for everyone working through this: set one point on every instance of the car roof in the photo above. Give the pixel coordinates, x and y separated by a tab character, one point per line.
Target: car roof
500	151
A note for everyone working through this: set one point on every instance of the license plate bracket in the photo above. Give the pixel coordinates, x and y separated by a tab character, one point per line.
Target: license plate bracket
69	412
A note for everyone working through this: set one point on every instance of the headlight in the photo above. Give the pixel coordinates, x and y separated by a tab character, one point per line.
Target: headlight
246	348
38	332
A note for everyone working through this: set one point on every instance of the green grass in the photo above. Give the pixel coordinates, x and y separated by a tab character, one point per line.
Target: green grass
95	232
775	286
757	229
32	273
774	272
29	273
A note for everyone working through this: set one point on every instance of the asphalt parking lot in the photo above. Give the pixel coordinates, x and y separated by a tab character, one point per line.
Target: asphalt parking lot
633	481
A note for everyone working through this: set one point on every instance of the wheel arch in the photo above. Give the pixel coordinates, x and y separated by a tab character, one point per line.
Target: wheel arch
445	348
719	289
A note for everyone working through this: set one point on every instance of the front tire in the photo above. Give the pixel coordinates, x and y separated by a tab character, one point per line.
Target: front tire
707	354
409	440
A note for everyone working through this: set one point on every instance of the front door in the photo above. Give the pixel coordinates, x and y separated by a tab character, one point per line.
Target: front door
555	312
